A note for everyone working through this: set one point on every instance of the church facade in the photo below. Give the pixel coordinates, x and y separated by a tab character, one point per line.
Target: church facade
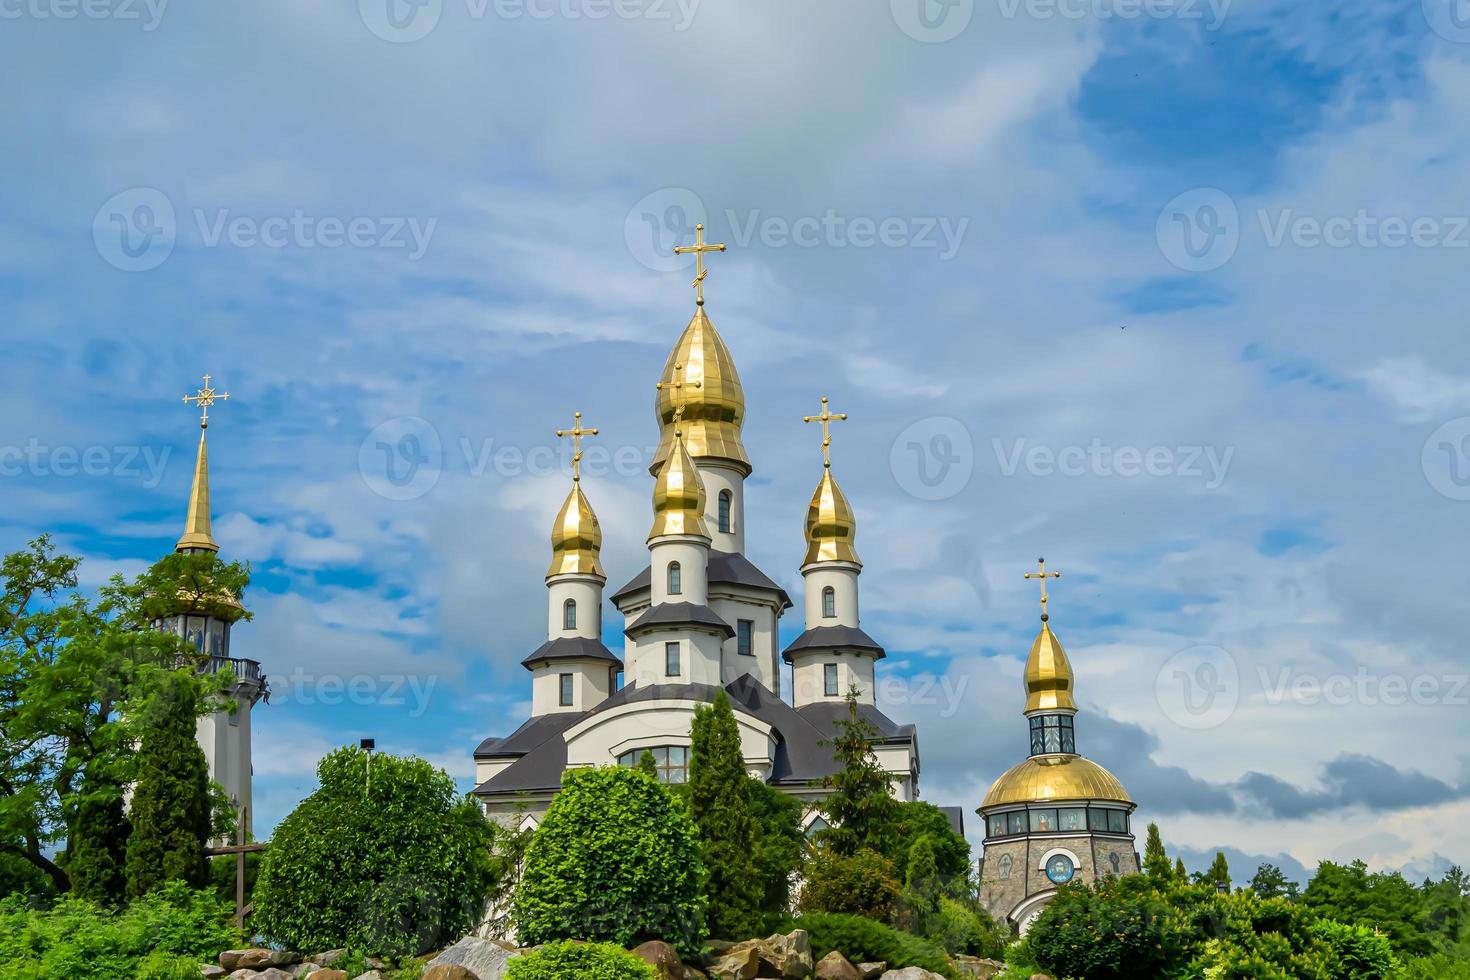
699	618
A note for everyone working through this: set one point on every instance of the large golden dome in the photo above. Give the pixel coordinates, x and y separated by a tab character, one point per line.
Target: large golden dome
1055	778
1049	677
678	496
715	410
576	538
831	525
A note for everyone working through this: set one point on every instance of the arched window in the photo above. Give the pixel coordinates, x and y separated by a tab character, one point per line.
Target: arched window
724	511
676	583
569	614
829	603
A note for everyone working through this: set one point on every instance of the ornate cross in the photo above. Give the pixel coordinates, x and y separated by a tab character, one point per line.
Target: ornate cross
697	250
576	432
206	397
1043	575
678	386
826	418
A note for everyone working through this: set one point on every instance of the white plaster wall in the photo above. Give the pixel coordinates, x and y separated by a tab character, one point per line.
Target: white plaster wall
488	768
699	658
808	676
586	591
692	554
843	578
765	642
225	739
591	685
717	477
599	740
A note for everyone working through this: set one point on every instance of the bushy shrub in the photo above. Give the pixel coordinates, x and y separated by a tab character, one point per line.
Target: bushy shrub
962	929
862	940
1439	967
864	884
394	867
1125	928
579	961
616	859
1358	953
164	936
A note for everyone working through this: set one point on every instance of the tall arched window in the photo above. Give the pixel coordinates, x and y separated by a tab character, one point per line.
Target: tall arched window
829	603
724	512
569	614
676	582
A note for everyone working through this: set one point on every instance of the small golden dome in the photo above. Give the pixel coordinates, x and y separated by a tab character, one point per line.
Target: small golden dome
715	410
576	538
831	525
1047	778
1049	677
678	496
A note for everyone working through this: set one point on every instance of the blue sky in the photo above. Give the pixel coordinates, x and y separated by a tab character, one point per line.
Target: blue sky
1173	294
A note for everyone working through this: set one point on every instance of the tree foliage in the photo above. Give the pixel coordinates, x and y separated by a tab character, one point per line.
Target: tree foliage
729	835
1383	901
1270	882
395	866
860	808
171	813
579	961
865	883
1155	860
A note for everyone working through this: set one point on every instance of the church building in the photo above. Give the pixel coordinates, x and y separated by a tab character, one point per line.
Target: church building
700	617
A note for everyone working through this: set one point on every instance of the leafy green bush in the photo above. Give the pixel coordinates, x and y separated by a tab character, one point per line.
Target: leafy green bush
864	884
962	929
1439	967
862	940
1358	953
616	859
164	936
395	867
1125	928
579	961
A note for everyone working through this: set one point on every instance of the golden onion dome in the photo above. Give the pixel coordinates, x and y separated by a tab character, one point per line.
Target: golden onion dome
709	389
1049	677
831	525
1055	778
678	496
576	538
197	531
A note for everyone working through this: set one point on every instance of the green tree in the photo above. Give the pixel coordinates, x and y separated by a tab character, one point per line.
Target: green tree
1270	882
96	860
616	859
864	884
1350	894
1218	875
394	867
860	808
918	819
171	811
1155	860
648	765
719	805
569	960
780	847
1180	872
922	888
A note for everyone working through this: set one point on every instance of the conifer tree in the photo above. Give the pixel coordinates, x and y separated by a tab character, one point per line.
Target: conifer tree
1180	872
1155	859
648	765
1219	873
171	803
729	836
97	848
861	811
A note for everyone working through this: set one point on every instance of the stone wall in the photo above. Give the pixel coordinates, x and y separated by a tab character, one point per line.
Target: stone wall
1000	895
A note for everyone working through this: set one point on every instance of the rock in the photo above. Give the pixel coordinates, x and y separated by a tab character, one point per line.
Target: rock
911	973
448	971
243	974
872	971
329	957
305	970
245	959
326	973
788	957
484	959
834	966
661	956
1040	976
974	966
212	972
371	975
739	962
791	955
273	973
690	973
284	957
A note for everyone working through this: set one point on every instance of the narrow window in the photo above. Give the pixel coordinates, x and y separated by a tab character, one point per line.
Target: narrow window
676	582
724	511
569	615
566	690
671	659
745	638
829	603
829	680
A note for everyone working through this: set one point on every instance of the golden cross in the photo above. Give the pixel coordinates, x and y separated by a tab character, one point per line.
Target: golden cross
826	418
678	387
1043	575
698	249
206	397
576	432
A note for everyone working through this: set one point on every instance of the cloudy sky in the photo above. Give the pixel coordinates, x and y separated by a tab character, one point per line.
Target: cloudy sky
1172	292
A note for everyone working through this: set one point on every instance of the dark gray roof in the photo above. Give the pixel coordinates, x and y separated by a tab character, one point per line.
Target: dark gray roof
824	716
528	736
956	815
679	614
827	637
571	648
725	568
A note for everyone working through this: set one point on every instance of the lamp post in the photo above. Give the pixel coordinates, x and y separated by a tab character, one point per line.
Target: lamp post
368	745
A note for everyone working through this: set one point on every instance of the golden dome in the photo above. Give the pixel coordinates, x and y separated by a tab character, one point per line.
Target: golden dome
714	411
1047	778
576	538
1049	677
831	525
197	530
678	496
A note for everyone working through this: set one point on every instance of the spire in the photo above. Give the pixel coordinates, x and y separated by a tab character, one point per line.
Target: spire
1049	677
678	493
197	530
576	537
